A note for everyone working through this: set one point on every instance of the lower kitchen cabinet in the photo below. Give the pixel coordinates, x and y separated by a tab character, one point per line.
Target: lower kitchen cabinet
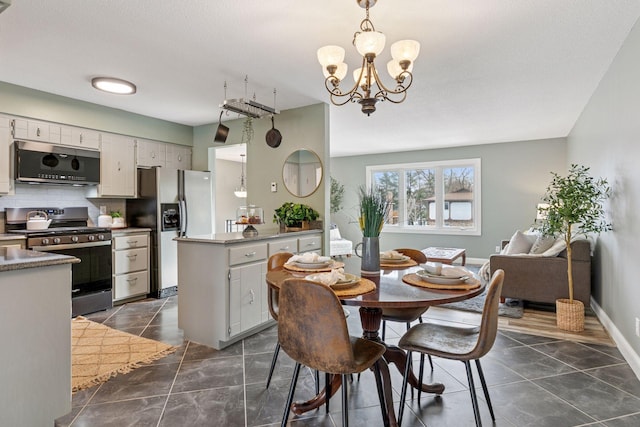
222	284
130	265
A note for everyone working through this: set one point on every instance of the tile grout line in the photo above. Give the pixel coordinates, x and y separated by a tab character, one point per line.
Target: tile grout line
244	384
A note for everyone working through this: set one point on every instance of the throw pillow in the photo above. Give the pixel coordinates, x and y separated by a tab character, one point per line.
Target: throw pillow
557	247
520	243
541	244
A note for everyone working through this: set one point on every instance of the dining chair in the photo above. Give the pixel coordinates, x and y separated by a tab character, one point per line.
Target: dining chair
457	343
312	330
405	315
276	260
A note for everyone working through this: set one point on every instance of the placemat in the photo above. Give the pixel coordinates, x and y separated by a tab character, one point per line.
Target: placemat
415	280
397	265
364	286
334	264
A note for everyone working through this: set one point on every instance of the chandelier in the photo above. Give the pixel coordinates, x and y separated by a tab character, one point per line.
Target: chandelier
242	191
369	44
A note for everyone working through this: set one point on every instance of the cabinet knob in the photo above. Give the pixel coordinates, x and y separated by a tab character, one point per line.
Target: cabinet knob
130	256
250	254
253	296
133	279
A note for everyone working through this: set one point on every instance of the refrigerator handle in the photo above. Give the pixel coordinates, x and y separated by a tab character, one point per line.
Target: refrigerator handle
182	209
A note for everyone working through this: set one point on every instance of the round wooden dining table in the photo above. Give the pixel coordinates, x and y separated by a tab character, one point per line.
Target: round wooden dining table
391	292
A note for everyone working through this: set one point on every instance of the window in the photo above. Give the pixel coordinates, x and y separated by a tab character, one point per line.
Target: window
434	197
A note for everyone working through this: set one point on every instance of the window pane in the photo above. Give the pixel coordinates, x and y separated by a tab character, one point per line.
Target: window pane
388	182
420	185
458	194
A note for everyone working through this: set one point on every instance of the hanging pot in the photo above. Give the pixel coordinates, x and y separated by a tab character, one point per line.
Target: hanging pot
50	160
273	137
222	131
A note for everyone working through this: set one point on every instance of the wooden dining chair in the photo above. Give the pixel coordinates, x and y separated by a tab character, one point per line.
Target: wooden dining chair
405	315
275	261
456	343
312	330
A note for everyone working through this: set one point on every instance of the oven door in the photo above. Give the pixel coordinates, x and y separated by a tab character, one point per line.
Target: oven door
91	281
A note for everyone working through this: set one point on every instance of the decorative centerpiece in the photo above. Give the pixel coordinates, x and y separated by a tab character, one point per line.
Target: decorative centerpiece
374	209
575	206
249	216
294	216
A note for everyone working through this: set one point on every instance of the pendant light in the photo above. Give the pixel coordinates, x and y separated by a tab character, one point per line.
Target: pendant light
242	191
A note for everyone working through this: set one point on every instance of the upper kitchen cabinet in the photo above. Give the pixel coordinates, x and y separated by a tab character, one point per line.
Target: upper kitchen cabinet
117	166
33	130
150	153
79	137
6	181
178	156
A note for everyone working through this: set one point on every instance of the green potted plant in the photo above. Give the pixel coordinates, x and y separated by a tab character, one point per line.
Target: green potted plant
575	206
295	216
374	210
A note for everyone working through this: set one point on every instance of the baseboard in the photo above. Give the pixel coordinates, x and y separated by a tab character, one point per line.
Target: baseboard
476	261
632	358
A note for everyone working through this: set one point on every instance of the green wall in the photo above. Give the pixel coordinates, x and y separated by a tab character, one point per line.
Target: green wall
514	178
22	101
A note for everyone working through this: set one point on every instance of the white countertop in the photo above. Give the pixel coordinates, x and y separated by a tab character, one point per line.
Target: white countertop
225	238
12	236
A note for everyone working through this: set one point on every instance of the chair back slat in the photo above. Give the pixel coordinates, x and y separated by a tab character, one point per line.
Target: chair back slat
489	323
275	261
414	254
312	328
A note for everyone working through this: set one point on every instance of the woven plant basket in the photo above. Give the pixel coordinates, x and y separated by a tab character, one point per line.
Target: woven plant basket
570	315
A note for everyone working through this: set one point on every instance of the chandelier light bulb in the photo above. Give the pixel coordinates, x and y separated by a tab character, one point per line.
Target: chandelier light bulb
405	50
369	42
330	55
394	68
340	72
363	80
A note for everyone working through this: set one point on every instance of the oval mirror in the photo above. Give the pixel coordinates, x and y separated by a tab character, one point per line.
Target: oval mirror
302	173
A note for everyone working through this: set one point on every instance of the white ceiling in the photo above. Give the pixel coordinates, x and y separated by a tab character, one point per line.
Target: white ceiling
488	71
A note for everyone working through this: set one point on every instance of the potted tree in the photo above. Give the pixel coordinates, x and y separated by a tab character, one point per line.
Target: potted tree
295	216
575	206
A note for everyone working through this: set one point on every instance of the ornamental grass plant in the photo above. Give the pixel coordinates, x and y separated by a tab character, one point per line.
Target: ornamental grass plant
374	209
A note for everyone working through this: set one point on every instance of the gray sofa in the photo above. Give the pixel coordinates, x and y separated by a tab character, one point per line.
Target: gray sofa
544	279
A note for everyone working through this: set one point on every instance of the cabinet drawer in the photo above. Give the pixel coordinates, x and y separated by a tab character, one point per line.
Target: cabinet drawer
128	285
131	260
248	253
287	245
129	242
311	243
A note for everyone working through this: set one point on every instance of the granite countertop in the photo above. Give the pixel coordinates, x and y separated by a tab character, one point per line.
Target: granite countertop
128	230
18	259
225	238
11	236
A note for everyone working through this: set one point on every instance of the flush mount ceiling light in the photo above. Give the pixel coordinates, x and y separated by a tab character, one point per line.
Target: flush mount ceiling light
113	85
369	44
242	191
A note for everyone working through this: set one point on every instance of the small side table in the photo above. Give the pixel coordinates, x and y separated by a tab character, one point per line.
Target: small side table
445	255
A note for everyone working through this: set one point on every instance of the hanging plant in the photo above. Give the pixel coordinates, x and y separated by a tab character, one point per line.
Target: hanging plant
247	130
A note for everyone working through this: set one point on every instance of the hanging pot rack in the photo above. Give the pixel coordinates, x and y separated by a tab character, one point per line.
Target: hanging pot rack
248	107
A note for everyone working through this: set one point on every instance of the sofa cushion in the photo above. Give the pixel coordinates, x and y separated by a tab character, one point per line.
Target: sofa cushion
520	243
555	249
541	244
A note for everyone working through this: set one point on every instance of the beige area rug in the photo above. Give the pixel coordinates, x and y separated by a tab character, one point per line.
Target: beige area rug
99	352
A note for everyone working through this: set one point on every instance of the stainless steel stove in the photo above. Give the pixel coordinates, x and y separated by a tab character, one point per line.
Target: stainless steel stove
69	234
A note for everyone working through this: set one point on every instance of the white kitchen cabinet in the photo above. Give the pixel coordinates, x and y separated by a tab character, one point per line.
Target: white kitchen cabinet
310	244
6	178
34	130
117	166
178	156
283	245
80	137
150	153
247	297
130	266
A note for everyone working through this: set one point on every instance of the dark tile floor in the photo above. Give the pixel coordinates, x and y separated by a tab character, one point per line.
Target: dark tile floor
533	381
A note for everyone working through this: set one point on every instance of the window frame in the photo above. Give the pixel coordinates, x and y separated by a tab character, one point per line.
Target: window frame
439	166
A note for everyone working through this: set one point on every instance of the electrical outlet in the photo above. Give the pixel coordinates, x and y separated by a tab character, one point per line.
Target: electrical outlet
637	327
274	187
497	249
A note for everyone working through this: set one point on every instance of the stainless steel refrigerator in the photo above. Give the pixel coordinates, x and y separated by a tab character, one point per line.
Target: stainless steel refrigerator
172	203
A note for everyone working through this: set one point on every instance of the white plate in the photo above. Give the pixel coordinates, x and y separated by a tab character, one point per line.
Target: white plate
394	260
440	280
312	265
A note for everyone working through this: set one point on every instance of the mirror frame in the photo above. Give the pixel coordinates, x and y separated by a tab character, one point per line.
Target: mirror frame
284	181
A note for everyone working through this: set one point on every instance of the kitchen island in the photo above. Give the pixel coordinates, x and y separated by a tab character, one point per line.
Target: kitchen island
35	326
221	282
